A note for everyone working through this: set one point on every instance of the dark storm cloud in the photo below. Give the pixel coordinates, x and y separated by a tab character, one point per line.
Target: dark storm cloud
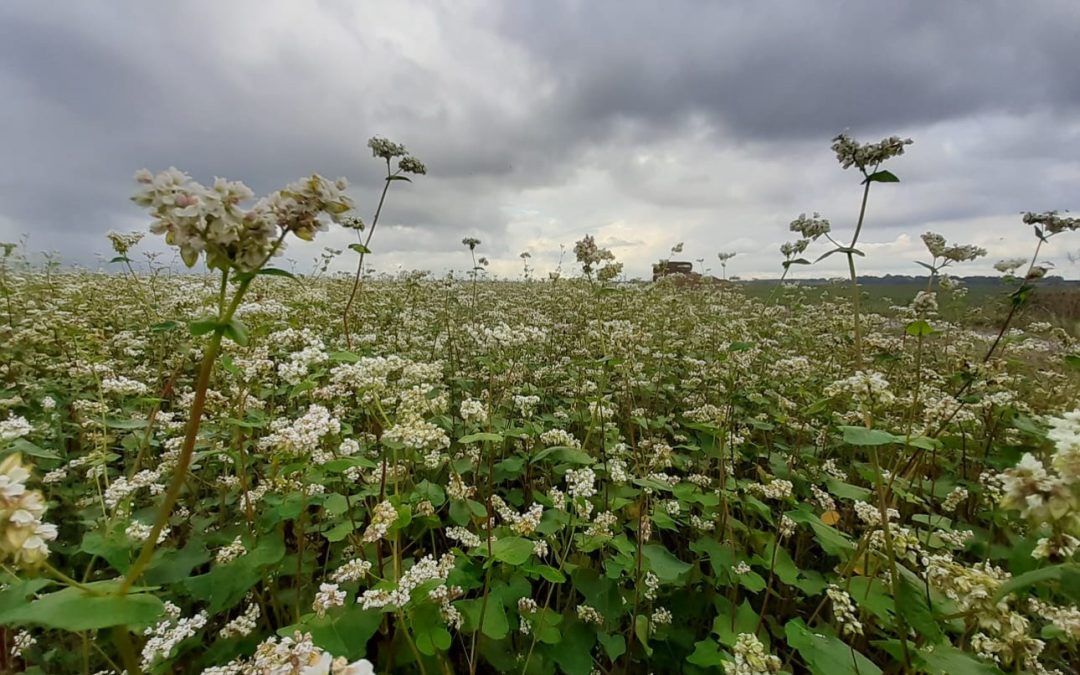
781	70
539	121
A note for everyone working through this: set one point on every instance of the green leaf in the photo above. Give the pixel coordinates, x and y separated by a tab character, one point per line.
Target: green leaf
496	626
512	550
1051	573
832	541
847	490
575	652
344	632
918	329
275	272
27	448
404	178
360	248
117	423
203	326
545	621
912	604
339	531
796	261
73	609
706	654
164	327
882	176
663	563
641	630
431	634
614	645
825	654
120	258
170	566
226	585
343	357
18	591
114	549
872	595
948	660
864	436
734	620
484	436
563	454
236	331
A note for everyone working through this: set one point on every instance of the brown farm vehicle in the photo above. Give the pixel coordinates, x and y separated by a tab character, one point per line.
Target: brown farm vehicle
668	267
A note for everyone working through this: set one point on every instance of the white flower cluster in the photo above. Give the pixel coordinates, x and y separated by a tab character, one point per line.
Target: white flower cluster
652	585
473	410
242	625
526	405
122	242
296	655
457	489
864	387
617	471
354	570
124	386
426	569
526	608
14	427
524	524
227	554
296	368
810	227
163	638
935	243
121	488
844	610
581	482
601	525
418	434
24	536
382	518
660	617
443	595
1051	222
328	597
1050	497
751	657
954	499
823	499
925	304
460	534
199	219
589	614
22	641
302	436
1065	619
560	438
871	513
777	488
851	153
140	531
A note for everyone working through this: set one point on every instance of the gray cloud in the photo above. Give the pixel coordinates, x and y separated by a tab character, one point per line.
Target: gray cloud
643	123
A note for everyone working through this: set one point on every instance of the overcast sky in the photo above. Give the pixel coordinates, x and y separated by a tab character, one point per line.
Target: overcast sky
642	123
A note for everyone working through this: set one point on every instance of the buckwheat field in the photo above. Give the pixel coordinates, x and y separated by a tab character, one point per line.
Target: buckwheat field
238	469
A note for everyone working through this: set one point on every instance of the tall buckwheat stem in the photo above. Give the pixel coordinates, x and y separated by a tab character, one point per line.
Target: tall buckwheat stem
854	277
360	264
172	494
